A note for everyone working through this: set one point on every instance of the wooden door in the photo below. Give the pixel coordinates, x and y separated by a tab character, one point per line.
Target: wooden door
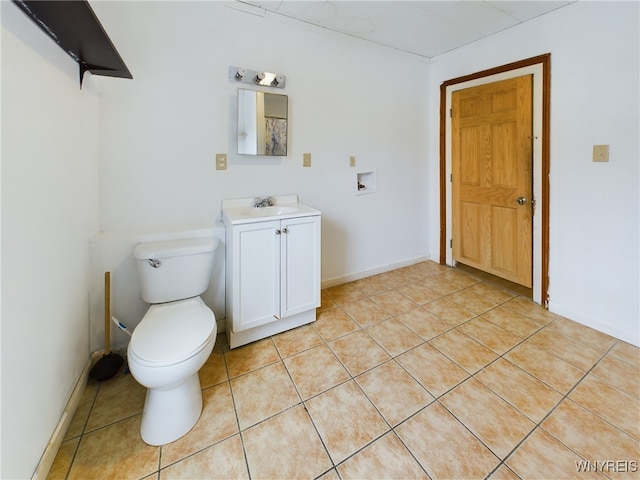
492	179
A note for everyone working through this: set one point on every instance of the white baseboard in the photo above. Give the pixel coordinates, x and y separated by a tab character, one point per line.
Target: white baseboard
50	452
332	282
630	337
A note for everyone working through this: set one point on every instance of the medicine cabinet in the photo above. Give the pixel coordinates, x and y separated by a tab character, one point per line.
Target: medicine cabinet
262	123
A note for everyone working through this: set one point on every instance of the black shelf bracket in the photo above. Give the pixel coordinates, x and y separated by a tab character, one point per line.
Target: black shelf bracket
73	25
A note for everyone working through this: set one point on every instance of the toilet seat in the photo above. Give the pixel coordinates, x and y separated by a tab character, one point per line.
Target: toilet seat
172	332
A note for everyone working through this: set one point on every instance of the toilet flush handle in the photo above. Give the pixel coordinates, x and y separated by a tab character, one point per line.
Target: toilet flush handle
155	263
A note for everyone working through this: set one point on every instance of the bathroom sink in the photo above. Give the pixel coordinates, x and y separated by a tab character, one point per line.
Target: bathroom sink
242	210
272	211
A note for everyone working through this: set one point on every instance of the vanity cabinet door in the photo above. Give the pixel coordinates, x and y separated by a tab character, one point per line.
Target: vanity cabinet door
256	274
300	265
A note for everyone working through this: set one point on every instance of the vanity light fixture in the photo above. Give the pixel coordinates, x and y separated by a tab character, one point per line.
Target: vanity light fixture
256	77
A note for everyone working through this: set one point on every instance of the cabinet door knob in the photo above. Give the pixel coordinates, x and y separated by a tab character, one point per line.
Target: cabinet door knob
285	230
278	232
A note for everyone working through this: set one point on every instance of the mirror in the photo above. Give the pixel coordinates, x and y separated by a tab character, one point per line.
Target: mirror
262	123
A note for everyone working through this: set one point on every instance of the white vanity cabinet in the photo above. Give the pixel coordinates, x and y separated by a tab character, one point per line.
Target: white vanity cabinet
273	273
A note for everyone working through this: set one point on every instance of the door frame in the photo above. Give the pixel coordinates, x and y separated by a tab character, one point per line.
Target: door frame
539	67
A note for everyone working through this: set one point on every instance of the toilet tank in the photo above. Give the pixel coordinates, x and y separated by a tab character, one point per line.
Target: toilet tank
174	269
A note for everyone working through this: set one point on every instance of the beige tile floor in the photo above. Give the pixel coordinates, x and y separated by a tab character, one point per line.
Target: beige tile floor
422	372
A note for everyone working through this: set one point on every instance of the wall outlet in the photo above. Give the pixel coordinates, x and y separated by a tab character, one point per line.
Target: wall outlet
352	161
601	153
306	159
221	161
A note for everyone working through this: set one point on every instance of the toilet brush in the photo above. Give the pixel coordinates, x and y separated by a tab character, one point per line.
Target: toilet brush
110	363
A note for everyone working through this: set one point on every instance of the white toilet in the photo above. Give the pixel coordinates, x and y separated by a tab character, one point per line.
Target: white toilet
176	335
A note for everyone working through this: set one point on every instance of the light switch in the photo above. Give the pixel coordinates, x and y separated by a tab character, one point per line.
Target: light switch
306	159
221	161
601	153
352	161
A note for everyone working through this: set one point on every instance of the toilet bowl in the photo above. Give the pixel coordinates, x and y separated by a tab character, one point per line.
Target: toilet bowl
167	348
174	338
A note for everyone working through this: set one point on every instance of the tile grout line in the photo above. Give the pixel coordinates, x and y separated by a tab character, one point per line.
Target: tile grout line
354	379
235	409
538	425
392	429
351	378
394	358
473	375
82	432
436	399
501	356
304	406
228	382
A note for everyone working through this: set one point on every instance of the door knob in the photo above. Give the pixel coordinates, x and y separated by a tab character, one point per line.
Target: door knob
521	200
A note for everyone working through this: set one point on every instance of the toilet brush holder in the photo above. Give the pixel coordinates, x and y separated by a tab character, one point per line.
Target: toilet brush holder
107	366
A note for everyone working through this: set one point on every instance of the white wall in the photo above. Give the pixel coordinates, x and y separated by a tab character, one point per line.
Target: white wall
152	168
594	207
159	134
49	213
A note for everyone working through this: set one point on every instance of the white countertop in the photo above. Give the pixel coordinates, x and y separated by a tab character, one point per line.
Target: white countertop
239	211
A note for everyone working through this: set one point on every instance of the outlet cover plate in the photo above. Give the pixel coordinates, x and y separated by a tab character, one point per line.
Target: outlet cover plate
601	153
306	159
221	161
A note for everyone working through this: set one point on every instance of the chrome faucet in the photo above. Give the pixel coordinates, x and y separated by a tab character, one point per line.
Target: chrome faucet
263	202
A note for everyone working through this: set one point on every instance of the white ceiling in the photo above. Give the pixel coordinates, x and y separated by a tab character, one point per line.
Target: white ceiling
426	28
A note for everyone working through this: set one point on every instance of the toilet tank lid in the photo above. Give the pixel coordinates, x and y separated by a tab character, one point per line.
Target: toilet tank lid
174	248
